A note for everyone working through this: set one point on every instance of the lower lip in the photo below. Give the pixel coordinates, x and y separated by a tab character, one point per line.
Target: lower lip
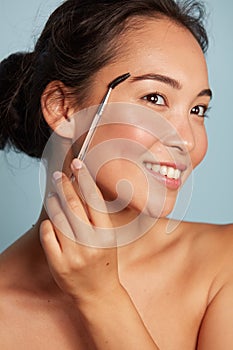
171	184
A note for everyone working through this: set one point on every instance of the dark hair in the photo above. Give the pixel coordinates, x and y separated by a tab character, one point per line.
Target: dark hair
78	39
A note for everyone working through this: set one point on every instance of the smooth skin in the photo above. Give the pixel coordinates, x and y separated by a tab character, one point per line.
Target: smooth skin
167	292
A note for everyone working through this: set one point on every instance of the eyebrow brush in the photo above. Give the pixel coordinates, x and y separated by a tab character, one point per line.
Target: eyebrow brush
98	114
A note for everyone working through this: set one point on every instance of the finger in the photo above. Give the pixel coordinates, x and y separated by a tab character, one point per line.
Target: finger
59	220
68	196
73	209
95	202
49	242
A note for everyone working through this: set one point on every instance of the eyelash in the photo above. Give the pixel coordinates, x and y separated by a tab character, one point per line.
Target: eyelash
206	109
152	95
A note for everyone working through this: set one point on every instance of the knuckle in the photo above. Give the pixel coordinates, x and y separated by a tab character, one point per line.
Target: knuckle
73	204
93	196
94	200
44	237
58	219
45	230
93	255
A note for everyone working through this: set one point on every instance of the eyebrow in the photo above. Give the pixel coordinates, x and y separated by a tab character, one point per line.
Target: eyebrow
206	92
175	84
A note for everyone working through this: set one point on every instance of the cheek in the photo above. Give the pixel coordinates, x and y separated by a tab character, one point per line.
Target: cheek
123	132
113	160
125	174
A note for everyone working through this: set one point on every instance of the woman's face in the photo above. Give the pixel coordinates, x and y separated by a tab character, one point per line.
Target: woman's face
169	77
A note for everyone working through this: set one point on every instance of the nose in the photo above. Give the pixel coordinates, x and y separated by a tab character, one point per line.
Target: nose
180	135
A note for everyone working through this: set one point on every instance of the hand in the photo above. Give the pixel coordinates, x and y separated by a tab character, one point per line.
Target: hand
83	272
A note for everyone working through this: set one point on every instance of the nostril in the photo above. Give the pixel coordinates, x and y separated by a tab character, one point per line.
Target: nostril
180	148
179	145
184	145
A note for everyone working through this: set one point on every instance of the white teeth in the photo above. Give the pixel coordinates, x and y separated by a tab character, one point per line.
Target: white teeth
164	170
171	173
149	166
177	174
156	167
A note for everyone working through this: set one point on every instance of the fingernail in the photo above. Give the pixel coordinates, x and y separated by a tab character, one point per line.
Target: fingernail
76	164
57	175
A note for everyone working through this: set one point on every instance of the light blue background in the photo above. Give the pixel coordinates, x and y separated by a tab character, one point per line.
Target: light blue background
20	201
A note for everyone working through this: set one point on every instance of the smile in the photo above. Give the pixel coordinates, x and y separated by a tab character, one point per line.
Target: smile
168	174
168	171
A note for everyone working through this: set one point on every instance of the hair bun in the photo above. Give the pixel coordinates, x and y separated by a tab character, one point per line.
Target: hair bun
13	72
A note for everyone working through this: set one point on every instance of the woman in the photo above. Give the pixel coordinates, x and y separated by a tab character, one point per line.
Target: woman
154	291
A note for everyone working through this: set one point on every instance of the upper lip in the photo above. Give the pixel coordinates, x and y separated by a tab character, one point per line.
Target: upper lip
179	166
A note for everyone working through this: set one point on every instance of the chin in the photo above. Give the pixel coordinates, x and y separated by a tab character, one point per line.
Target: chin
158	213
159	209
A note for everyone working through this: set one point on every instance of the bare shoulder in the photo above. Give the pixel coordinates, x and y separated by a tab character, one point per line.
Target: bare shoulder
216	239
211	248
208	234
8	311
210	240
18	271
212	253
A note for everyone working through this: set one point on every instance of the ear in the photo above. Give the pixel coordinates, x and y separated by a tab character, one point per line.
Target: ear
57	109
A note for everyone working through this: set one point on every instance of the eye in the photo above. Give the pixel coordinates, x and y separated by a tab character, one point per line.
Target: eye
199	110
155	98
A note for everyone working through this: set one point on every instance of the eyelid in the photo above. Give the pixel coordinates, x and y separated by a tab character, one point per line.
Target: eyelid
204	106
158	94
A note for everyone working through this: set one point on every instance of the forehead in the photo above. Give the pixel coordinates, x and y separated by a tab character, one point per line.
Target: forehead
164	46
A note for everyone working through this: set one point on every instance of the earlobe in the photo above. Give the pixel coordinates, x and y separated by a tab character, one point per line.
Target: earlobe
57	109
